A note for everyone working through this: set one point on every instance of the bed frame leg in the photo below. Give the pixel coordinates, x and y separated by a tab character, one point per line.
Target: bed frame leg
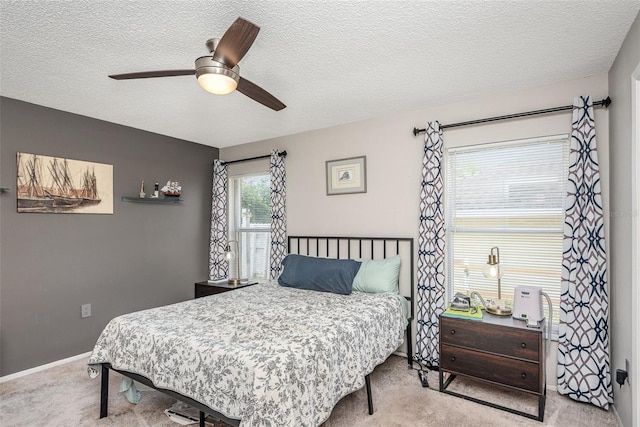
202	417
104	390
367	380
409	347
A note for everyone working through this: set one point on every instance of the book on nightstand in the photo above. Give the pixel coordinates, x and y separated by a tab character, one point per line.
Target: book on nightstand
218	281
475	313
224	283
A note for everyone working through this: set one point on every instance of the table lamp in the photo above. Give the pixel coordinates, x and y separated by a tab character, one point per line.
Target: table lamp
493	270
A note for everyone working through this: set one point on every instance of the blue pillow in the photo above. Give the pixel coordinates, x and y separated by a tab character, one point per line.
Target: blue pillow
318	274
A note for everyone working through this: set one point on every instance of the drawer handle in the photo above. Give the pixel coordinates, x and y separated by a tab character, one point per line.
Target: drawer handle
523	345
453	331
453	358
523	375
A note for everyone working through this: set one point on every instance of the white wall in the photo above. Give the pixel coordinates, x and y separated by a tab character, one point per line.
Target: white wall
394	158
624	325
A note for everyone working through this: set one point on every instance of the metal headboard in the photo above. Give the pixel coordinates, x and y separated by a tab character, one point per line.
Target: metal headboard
365	247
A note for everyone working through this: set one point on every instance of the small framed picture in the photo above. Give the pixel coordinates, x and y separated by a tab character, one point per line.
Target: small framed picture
347	176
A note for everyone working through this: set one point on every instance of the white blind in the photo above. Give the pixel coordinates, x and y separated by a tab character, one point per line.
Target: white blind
510	195
250	223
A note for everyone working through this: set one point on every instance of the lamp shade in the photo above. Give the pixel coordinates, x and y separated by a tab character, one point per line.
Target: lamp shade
215	77
492	269
229	254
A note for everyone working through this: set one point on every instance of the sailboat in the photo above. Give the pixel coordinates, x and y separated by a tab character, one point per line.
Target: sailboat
31	194
63	194
89	190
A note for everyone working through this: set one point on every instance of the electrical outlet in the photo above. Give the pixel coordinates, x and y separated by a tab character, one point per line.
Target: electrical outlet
85	310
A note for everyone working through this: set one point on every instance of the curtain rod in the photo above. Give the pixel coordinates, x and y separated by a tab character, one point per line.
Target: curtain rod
266	156
605	102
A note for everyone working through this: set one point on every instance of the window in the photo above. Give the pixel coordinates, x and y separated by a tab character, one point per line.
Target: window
250	224
510	195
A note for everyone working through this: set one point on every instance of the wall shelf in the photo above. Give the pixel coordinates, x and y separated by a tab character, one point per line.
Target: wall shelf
159	200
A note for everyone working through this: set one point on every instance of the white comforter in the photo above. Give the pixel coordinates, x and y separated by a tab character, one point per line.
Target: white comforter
265	354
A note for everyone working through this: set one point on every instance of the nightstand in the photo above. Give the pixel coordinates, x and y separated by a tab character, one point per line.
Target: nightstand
205	288
497	350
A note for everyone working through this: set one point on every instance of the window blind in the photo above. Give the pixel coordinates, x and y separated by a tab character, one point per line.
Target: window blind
508	195
250	223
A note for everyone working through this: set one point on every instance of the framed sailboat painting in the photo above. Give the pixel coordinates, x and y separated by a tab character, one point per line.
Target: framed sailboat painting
59	185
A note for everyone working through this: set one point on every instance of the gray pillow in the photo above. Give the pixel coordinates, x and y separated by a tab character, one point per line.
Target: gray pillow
318	274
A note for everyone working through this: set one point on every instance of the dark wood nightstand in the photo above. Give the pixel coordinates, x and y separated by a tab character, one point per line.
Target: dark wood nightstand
205	288
498	350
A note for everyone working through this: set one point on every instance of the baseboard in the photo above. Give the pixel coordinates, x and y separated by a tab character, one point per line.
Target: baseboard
43	367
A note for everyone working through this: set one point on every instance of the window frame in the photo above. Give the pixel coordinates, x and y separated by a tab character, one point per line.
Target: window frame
451	229
239	233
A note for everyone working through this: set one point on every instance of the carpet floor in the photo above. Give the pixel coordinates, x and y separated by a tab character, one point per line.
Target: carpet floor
66	396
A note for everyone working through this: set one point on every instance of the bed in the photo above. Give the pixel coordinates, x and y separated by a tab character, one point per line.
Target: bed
267	354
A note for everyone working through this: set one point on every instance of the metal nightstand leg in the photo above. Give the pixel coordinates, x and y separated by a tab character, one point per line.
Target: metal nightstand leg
541	399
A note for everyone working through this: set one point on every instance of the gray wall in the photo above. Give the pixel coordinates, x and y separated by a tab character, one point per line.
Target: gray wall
623	325
142	256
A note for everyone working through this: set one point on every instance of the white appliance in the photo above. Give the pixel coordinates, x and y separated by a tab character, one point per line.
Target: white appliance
527	305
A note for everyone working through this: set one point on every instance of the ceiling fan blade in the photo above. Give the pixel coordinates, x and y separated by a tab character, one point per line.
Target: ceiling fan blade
235	42
149	74
260	95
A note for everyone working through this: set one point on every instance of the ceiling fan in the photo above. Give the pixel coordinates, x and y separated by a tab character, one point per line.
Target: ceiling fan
219	72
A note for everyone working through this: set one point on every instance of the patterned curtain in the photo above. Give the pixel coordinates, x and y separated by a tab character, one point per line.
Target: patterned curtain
431	285
218	264
583	342
278	213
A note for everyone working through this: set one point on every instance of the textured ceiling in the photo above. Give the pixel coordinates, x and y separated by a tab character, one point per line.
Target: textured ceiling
331	62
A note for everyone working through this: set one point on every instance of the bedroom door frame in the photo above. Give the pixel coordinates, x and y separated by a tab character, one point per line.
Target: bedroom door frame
635	246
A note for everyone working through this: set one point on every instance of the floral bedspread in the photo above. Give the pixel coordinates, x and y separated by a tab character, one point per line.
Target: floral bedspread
264	354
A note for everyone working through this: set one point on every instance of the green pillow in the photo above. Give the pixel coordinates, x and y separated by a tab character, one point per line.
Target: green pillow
378	276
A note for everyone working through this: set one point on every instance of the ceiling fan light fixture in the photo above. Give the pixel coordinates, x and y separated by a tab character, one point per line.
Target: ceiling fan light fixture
215	77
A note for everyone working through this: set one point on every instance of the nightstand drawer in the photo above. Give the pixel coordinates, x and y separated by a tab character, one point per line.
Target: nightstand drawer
502	370
497	339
